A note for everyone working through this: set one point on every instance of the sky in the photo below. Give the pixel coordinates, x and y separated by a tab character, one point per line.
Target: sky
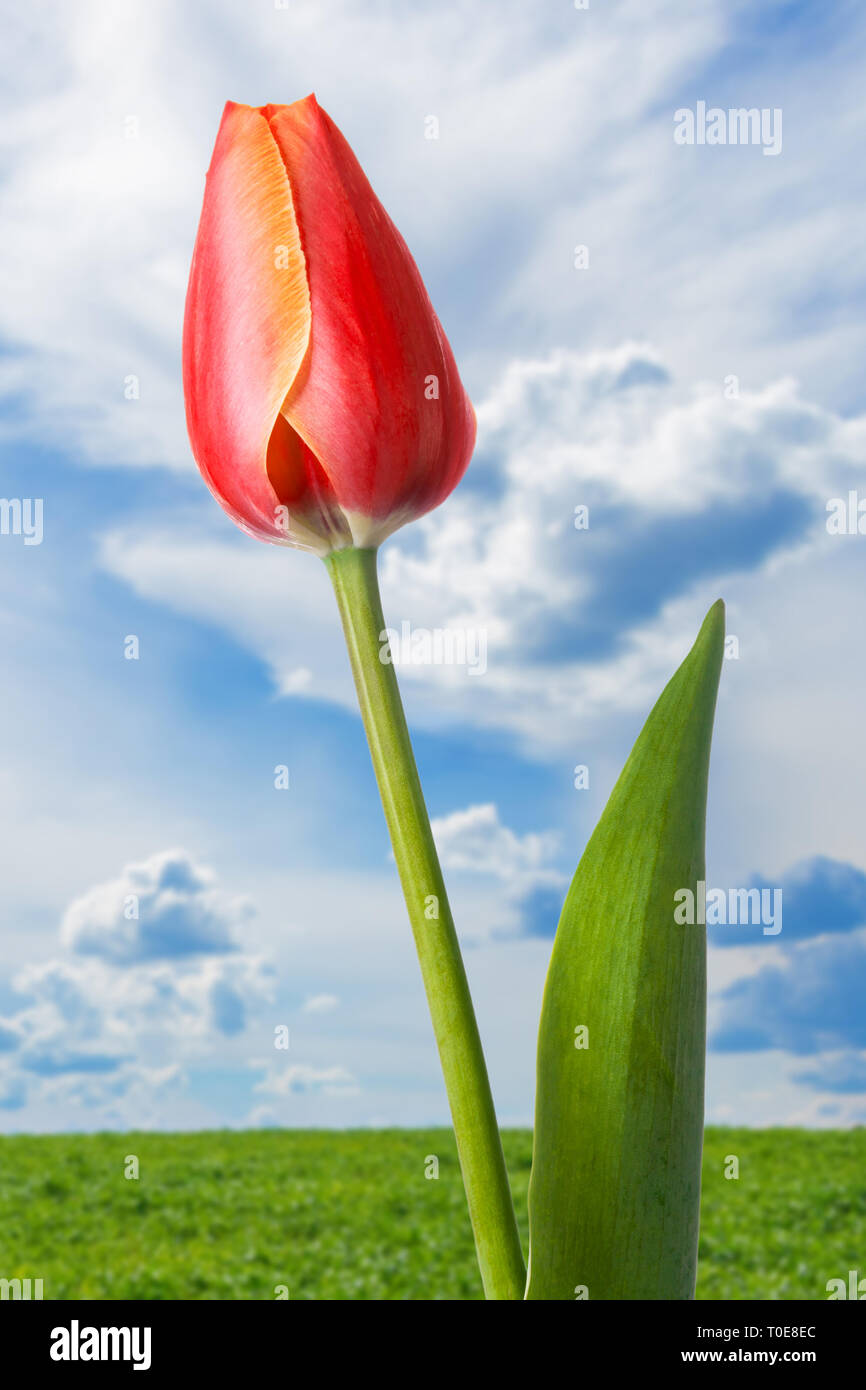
668	334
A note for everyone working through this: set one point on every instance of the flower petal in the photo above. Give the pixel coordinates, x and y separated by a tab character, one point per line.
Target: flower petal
378	399
247	321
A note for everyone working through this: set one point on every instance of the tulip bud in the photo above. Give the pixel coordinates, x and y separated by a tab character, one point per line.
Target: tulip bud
323	403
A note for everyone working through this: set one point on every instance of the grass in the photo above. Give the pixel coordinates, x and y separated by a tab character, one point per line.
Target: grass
351	1215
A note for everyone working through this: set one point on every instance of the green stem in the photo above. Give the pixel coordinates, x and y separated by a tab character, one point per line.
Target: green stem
353	574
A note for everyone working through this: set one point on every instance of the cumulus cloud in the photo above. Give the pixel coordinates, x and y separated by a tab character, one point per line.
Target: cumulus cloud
614	422
809	1001
819	896
683	488
135	1001
802	993
684	484
529	888
113	139
162	907
92	1015
475	841
822	895
115	123
680	490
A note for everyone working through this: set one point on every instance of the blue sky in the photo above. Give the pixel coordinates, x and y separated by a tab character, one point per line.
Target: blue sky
698	386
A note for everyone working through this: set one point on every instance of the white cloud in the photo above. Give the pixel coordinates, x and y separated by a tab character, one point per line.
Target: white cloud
553	130
502	884
320	1003
614	418
117	1029
262	1117
163	907
657	465
249	590
806	1000
300	1078
475	841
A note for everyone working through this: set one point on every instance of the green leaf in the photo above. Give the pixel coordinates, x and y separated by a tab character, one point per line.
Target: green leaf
615	1187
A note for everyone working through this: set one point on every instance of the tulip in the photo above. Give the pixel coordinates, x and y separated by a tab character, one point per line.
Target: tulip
324	411
323	403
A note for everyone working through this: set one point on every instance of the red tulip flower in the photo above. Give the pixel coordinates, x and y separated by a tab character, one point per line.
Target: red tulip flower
323	403
325	410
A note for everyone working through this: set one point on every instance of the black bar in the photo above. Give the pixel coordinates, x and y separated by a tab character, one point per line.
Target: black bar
240	1337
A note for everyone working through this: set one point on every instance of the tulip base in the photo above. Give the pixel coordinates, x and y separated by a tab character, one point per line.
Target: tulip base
500	1257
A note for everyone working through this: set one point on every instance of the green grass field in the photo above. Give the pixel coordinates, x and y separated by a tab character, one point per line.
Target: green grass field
329	1215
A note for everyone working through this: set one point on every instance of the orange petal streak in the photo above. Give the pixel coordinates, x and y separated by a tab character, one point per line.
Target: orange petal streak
247	321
